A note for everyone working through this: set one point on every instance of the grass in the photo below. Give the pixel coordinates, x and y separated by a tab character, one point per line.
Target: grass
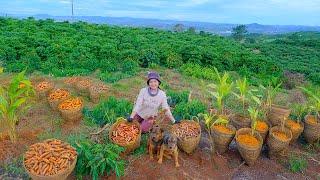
14	169
297	164
142	149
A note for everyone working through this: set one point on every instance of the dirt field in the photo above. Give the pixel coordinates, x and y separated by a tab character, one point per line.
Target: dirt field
40	122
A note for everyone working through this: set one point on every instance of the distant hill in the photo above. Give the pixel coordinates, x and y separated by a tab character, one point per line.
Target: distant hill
216	28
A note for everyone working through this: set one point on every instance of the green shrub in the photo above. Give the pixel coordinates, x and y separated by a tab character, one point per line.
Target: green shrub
175	97
186	110
108	111
98	159
297	164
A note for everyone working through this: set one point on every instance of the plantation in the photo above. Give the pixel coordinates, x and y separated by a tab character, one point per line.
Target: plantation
66	89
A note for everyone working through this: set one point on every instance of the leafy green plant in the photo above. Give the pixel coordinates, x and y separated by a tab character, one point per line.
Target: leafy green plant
269	93
175	97
108	111
188	110
142	149
314	100
12	99
297	164
221	89
298	110
244	92
14	169
253	112
98	159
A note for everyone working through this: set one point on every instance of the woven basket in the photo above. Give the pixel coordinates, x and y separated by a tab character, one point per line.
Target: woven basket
97	91
83	86
59	176
295	132
222	140
71	115
264	133
54	103
278	147
71	81
277	114
239	121
188	145
248	153
130	146
311	131
43	93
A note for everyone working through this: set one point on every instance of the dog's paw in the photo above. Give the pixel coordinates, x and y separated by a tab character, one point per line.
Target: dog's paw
159	161
151	158
177	165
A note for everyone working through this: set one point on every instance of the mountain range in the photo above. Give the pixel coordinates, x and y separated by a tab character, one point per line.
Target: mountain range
216	28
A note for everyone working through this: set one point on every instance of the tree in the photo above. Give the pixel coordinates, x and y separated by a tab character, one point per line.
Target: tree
178	28
239	32
192	30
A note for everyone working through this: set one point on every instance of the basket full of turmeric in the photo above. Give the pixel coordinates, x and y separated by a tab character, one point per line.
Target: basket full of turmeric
71	81
83	86
56	96
71	109
249	143
96	91
188	133
125	134
278	141
43	88
50	160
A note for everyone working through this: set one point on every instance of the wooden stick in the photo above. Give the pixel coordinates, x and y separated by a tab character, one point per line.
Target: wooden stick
102	129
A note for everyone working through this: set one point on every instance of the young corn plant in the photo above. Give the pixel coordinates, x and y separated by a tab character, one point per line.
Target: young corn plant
221	89
314	100
12	99
253	112
298	110
244	91
269	94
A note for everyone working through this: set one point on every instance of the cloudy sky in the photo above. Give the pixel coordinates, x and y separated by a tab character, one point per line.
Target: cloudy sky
295	12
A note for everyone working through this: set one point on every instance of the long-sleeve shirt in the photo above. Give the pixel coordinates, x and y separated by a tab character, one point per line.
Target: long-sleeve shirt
147	106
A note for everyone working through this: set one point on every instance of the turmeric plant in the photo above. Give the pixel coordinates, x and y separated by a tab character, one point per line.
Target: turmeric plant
12	98
221	89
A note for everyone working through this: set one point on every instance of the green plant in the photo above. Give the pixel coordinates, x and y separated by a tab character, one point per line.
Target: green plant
142	149
108	111
269	93
188	110
243	86
12	98
15	169
297	164
175	97
221	89
314	100
298	110
98	159
253	112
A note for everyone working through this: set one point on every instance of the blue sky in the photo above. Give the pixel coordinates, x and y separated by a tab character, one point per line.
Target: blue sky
295	12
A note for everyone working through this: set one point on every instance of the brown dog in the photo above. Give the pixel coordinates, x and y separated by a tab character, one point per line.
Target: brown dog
169	148
155	140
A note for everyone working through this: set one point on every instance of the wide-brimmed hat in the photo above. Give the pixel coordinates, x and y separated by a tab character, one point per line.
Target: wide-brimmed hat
153	75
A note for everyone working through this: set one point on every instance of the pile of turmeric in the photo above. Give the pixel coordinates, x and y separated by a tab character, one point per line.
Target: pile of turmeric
49	157
248	140
71	103
223	129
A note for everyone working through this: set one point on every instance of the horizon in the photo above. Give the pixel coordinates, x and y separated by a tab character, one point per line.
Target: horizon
270	12
34	15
